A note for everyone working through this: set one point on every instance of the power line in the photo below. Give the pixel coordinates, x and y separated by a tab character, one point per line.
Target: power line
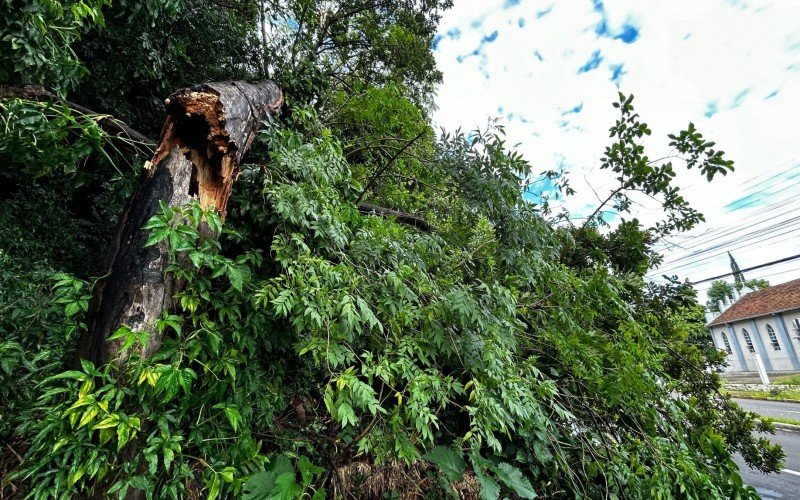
737	234
715	234
774	184
733	236
723	231
760	236
738	239
770	172
759	226
759	274
758	277
762	223
785	259
780	204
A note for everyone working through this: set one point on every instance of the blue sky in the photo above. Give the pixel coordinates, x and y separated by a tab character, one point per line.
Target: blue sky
550	71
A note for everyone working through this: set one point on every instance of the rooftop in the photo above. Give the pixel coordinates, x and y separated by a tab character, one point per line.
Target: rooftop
770	300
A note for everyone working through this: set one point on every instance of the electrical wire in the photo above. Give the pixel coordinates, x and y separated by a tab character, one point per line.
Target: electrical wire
751	268
715	234
774	183
761	236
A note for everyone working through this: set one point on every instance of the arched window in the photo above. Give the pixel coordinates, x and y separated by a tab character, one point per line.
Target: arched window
773	339
727	344
748	341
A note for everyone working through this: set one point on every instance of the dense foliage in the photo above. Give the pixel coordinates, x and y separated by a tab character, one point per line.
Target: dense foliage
317	351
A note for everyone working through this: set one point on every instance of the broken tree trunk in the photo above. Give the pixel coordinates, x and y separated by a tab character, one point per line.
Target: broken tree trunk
208	130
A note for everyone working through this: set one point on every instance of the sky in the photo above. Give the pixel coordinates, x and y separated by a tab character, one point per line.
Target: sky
549	72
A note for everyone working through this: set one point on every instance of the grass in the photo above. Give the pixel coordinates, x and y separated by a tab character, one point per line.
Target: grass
752	378
786	379
780	420
789	395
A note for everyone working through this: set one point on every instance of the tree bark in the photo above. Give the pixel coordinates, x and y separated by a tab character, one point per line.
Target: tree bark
207	132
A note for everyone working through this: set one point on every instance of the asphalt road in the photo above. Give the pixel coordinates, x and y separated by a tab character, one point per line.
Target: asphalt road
771	408
786	484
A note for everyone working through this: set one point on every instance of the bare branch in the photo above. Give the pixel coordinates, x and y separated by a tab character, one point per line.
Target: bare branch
401	217
388	164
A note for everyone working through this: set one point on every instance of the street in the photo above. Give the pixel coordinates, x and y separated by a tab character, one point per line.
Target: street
771	408
785	485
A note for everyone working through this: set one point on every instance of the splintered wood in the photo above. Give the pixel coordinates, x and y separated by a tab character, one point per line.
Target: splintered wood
207	132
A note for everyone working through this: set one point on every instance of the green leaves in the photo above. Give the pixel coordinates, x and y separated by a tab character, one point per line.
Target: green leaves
278	480
449	462
308	470
36	41
490	490
700	153
129	338
231	413
262	485
514	480
452	465
636	173
172	379
71	293
126	430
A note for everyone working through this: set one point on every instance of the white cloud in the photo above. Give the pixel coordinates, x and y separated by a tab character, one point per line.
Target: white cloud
685	58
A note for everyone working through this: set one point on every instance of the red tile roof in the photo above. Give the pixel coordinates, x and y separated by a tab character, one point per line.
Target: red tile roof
774	299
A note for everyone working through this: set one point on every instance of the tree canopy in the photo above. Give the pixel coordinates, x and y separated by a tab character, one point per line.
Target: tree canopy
316	347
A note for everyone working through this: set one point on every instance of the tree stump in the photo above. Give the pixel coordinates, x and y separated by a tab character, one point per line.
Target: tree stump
208	130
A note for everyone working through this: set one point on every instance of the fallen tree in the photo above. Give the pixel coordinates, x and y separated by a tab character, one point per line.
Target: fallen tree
134	141
207	132
511	350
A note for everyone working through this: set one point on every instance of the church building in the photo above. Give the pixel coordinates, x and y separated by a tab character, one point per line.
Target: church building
762	324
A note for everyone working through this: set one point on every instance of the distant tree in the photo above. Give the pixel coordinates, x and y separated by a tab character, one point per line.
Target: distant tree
755	284
720	291
738	276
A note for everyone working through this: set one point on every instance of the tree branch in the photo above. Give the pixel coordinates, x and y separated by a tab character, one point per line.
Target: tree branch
402	217
134	142
597	210
388	164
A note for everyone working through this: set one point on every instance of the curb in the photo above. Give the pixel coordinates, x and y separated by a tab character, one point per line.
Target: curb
756	398
786	427
783	426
